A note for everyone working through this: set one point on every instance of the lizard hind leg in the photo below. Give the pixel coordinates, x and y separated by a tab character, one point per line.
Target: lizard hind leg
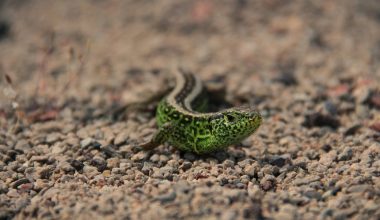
159	137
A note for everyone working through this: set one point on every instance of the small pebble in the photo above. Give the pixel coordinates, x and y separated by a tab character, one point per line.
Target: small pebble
19	182
320	120
186	165
121	138
228	163
113	162
77	165
346	154
86	142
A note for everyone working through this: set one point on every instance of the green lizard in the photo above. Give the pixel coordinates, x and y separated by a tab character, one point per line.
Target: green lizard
193	131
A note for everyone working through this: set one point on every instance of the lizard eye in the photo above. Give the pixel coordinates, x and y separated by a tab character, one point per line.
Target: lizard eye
231	118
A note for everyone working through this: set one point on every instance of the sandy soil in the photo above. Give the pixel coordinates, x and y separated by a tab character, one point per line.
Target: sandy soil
69	68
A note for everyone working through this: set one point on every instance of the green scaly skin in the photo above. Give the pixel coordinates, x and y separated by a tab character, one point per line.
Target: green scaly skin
196	132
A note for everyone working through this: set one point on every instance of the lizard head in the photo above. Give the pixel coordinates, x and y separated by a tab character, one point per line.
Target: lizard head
233	125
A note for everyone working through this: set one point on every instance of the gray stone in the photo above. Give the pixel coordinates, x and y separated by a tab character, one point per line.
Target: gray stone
41	158
121	138
23	145
346	154
66	167
186	165
168	197
147	168
228	163
155	158
360	188
90	171
164	158
54	137
86	142
19	182
306	180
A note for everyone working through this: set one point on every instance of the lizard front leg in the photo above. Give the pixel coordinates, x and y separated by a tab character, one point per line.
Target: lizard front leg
159	137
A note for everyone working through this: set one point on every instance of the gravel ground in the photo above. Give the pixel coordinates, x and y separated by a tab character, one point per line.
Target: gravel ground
74	75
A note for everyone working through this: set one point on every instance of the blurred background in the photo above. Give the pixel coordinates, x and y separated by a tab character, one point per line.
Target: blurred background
48	43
